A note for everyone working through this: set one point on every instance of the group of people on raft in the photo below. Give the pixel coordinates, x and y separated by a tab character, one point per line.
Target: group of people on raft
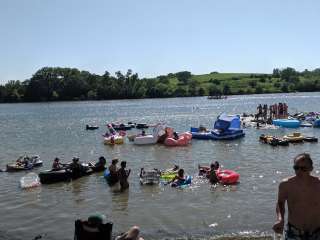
274	111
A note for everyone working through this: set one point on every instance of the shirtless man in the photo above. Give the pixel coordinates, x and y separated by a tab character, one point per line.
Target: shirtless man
123	176
302	194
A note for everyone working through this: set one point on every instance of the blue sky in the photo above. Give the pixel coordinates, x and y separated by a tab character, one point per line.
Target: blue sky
158	37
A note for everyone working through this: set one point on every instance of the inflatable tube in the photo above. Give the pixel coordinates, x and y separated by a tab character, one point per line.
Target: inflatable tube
186	182
168	176
227	176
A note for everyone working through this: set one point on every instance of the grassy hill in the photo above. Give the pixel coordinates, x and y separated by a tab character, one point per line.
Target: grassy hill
245	83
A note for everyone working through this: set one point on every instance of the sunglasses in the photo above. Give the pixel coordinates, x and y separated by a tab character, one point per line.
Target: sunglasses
302	168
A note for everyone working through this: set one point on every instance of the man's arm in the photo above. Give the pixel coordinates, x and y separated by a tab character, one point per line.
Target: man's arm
282	198
280	208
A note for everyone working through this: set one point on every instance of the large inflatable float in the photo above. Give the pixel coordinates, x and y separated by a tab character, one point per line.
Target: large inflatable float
113	137
226	127
225	176
182	139
286	123
150	138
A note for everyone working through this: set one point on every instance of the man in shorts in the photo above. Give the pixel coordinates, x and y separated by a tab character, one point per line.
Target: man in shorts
302	195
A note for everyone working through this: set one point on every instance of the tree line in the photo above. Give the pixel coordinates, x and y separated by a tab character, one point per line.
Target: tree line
64	84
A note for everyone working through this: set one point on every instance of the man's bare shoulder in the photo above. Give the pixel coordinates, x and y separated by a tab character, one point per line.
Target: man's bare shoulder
315	179
287	181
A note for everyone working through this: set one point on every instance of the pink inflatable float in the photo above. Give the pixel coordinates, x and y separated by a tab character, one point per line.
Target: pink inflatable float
181	139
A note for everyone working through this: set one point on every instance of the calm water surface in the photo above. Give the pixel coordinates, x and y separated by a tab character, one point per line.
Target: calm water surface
57	129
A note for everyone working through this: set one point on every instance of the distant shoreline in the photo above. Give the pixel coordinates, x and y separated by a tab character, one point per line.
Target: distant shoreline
50	84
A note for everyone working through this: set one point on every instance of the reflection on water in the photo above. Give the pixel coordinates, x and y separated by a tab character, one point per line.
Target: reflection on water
120	200
162	212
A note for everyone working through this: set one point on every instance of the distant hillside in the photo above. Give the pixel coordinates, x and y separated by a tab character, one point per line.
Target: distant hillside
63	84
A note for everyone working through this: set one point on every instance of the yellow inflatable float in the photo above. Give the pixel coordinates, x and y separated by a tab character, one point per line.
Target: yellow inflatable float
295	137
114	139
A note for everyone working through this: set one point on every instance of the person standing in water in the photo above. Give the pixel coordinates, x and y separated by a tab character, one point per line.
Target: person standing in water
301	193
113	170
123	176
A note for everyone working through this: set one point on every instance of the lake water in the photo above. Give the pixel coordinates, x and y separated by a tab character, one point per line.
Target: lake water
58	129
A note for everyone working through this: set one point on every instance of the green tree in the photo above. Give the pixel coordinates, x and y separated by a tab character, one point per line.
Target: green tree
181	92
214	90
226	89
183	76
163	79
201	91
253	83
258	89
276	73
192	87
285	87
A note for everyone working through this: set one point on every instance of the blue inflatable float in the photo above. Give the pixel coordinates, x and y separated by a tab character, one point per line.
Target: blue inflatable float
184	183
316	123
106	174
286	123
225	128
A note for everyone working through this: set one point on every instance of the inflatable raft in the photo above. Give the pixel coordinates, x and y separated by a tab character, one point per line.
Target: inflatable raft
295	137
286	123
227	176
226	127
183	138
